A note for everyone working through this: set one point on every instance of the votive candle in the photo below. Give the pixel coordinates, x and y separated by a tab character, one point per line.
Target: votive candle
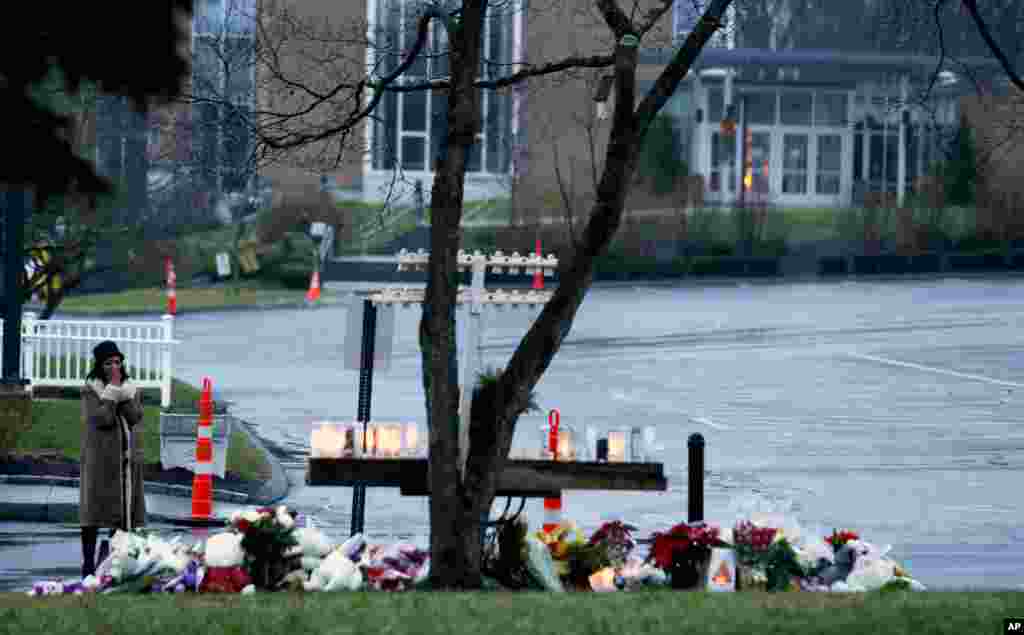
617	446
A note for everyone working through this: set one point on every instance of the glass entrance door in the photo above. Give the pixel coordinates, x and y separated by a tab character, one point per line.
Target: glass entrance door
760	187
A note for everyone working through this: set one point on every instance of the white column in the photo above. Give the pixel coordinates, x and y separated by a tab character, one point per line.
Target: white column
901	166
28	349
699	103
165	380
865	156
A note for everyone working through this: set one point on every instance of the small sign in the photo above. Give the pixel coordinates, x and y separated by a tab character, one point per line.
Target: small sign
223	264
722	572
382	343
317	229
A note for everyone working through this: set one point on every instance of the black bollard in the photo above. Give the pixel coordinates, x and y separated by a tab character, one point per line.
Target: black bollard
695	492
363	406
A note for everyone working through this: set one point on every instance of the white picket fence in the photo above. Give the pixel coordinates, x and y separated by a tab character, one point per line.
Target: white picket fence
59	352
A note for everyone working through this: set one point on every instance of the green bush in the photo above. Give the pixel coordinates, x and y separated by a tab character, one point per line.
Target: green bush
660	162
960	173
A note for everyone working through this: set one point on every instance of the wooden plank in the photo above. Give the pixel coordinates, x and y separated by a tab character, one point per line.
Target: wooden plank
519	478
368	472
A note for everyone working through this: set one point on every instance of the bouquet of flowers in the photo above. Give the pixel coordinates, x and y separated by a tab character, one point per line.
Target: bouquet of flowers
617	539
683	538
575	559
752	543
268	541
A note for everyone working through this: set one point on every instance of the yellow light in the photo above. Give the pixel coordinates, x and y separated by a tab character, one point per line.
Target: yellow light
748	181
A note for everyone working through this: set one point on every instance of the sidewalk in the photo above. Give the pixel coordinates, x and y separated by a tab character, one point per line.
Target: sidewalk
55	499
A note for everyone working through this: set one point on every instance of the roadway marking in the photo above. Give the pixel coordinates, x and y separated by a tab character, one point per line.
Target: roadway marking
938	371
709	423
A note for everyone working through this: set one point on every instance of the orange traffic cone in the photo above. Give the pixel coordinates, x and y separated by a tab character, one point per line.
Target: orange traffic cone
314	288
202	481
552	513
538	276
172	283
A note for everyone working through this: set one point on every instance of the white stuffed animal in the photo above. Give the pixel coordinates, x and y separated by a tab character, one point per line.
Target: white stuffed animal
314	546
224	550
336	573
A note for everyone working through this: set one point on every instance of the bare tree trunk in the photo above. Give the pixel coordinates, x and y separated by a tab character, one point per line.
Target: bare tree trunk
454	511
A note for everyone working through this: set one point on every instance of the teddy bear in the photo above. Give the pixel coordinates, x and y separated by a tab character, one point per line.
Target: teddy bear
314	546
224	559
337	572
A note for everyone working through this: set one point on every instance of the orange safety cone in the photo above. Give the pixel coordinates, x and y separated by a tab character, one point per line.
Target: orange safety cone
538	276
172	283
552	513
314	288
553	506
202	481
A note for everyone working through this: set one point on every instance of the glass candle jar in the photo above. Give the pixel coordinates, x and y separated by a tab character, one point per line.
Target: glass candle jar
617	440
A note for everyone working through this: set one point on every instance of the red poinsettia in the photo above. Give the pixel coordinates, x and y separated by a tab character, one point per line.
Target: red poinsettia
681	538
840	538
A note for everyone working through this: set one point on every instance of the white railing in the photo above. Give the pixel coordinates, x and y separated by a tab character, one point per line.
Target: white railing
59	352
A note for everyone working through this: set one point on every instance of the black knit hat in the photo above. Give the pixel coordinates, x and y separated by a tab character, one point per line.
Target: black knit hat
106	350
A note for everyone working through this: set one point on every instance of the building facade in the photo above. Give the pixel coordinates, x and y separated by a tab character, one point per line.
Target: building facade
803	126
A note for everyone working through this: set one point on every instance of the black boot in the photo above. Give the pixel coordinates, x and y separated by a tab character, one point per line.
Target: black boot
89	535
104	551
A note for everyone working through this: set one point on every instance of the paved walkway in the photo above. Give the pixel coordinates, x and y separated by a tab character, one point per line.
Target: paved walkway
55	499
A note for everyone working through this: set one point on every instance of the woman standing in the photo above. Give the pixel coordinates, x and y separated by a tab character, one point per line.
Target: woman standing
110	490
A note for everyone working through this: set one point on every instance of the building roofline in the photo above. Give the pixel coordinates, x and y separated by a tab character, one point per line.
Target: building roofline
713	56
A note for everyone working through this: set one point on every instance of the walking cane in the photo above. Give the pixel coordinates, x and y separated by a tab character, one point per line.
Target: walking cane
126	477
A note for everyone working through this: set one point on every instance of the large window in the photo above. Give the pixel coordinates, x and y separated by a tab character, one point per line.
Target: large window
796	108
723	163
829	164
223	71
411	127
794	164
830	109
760	107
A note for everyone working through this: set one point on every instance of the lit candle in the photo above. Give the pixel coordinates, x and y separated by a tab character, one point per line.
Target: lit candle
603	580
616	446
565	444
317	442
330	440
410	444
391	440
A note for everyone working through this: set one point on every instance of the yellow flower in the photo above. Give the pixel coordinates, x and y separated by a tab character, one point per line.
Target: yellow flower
779	535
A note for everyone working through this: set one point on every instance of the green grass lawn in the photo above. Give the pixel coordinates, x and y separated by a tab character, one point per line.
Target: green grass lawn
155	299
57	428
503	613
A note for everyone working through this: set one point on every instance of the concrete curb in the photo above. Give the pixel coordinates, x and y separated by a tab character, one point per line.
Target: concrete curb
185	311
38	506
150	487
278	486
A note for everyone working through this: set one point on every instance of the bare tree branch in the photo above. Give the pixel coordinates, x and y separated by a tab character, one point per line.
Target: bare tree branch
986	34
616	19
652	17
294	139
593	61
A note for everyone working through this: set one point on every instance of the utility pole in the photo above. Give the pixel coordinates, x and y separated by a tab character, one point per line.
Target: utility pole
16	409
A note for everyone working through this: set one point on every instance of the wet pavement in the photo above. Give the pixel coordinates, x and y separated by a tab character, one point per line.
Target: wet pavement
894	408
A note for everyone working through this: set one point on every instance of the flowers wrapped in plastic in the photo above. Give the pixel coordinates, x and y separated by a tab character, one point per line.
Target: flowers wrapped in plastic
267	538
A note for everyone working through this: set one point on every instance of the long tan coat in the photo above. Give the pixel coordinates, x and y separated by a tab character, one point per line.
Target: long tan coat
103	434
